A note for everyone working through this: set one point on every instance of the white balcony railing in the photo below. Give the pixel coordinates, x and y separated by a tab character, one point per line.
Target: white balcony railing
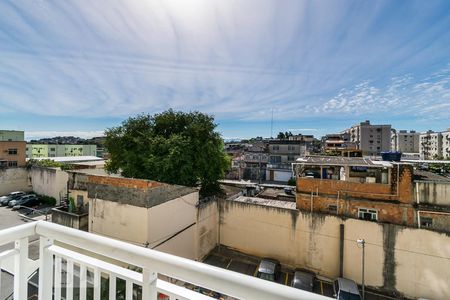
72	260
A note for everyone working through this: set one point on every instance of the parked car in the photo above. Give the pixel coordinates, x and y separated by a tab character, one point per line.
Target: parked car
4	200
303	280
268	269
27	200
346	289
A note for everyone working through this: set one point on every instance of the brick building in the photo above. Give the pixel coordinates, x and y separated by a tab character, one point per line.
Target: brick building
356	188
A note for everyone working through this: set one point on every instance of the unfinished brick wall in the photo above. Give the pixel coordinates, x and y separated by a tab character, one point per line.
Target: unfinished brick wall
124	182
395	213
363	190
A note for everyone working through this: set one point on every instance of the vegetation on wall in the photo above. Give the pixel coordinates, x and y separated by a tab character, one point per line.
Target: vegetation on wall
48	163
173	147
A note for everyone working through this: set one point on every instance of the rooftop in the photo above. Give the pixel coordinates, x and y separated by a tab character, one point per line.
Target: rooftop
343	161
70	159
266	202
420	175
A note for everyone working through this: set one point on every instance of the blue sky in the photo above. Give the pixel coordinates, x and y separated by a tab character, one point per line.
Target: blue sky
78	67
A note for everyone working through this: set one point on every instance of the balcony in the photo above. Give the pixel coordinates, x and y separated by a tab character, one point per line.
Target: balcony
75	264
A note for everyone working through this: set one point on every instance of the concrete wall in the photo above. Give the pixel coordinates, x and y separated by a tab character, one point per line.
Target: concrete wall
169	227
414	262
14	179
120	221
207	228
174	220
432	192
49	181
77	221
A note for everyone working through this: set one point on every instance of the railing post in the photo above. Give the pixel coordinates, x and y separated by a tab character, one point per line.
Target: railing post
45	269
20	270
149	291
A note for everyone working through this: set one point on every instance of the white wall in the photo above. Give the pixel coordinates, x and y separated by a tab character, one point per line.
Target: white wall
207	228
14	179
120	221
432	192
49	181
169	218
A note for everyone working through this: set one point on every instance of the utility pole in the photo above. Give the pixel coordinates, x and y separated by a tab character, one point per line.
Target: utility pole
361	243
271	126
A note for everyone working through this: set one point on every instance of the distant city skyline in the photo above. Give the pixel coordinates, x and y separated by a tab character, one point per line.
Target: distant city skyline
75	69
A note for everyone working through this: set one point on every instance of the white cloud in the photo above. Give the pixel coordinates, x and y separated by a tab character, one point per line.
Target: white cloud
303	129
222	57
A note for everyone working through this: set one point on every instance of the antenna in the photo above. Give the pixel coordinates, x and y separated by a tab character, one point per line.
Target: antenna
271	126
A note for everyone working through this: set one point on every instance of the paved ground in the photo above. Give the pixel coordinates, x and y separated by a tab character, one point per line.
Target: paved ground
246	264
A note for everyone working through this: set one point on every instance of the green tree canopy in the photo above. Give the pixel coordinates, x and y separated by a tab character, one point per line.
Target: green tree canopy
172	147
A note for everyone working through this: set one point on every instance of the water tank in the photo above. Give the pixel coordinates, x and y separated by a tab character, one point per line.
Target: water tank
391	155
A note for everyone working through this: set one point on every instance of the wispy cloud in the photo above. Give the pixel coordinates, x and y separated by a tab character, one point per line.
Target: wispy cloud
235	59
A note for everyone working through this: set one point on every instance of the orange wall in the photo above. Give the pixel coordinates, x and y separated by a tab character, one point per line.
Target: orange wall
21	153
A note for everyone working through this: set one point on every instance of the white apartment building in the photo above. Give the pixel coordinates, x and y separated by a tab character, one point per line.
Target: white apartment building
430	145
446	144
370	139
405	142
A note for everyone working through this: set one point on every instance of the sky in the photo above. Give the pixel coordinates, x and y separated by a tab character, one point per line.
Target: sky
78	67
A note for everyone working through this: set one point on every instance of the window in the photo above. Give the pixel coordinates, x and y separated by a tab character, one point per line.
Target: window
275	147
80	200
291	157
426	222
12	163
12	151
52	149
275	159
332	209
291	148
368	214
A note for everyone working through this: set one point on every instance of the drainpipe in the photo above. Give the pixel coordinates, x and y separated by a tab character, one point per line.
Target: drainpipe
417	193
341	250
337	204
312	195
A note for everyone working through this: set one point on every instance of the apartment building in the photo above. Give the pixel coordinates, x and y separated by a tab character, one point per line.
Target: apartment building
339	144
12	154
430	146
446	144
405	142
12	135
52	150
12	149
282	153
370	139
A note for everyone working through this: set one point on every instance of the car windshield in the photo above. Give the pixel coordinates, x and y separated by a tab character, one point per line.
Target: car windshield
266	276
348	296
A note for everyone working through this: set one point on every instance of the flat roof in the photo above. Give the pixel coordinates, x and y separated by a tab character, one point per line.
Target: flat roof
69	159
421	175
266	202
426	161
342	161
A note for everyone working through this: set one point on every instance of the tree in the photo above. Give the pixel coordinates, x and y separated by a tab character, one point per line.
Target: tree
281	136
173	147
